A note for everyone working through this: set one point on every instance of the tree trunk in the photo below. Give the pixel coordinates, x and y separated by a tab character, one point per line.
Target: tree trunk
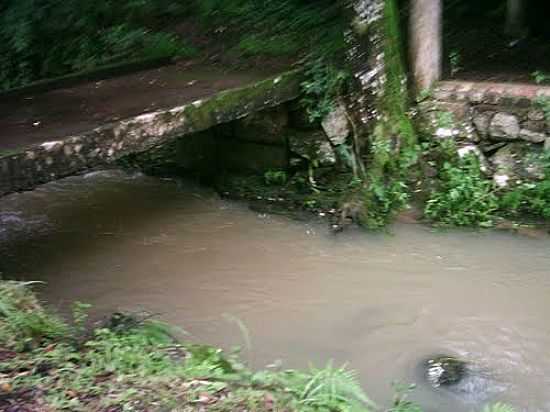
425	35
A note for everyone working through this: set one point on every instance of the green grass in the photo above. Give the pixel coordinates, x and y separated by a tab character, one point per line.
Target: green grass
130	364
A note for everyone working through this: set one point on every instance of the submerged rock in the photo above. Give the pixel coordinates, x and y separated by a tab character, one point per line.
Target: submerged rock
445	371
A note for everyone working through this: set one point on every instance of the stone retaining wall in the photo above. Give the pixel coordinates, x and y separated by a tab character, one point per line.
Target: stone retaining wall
506	125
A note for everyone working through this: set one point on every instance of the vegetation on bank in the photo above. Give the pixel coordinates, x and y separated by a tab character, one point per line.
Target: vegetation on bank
131	363
47	38
461	194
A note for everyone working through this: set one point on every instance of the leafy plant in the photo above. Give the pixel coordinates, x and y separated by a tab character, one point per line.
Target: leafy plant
401	403
498	407
324	85
531	197
464	197
275	177
381	201
540	77
40	38
543	102
455	62
281	28
328	388
24	324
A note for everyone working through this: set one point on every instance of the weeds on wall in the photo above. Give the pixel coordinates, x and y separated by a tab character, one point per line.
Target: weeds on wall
393	144
323	88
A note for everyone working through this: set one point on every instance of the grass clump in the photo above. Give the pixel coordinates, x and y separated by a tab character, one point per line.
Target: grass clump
530	198
24	324
464	196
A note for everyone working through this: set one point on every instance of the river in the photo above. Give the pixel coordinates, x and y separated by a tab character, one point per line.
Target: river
289	290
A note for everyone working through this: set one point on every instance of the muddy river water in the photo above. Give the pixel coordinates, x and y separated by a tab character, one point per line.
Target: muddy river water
290	290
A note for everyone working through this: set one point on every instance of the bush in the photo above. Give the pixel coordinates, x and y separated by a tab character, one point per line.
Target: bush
531	198
48	38
24	324
464	196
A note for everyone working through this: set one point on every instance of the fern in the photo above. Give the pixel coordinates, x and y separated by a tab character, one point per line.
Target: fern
498	407
329	388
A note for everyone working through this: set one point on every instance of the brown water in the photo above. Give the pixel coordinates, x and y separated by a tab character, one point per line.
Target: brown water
381	302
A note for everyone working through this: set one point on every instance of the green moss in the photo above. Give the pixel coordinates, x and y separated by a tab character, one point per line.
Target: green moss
230	104
393	140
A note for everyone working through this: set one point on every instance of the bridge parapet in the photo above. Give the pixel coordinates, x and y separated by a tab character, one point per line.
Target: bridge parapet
24	169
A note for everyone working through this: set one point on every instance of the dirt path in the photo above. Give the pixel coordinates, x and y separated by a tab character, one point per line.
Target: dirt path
32	119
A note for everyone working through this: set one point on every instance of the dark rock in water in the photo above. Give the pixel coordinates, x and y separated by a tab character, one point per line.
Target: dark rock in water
445	370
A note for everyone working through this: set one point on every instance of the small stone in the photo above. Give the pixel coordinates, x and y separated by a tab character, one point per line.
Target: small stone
547	144
504	126
475	151
501	180
535	114
315	147
477	96
535	126
444	132
533	137
336	125
482	122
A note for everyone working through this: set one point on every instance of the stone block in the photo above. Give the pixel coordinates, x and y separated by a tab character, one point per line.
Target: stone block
535	114
504	126
461	111
314	147
336	125
535	126
482	122
532	137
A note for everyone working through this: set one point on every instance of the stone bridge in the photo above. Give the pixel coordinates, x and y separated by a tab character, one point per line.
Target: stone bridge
63	132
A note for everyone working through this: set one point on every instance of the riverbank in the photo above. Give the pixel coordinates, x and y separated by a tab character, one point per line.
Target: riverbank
129	362
133	363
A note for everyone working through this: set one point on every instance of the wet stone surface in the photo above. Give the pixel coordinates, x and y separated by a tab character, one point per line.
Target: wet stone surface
445	371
